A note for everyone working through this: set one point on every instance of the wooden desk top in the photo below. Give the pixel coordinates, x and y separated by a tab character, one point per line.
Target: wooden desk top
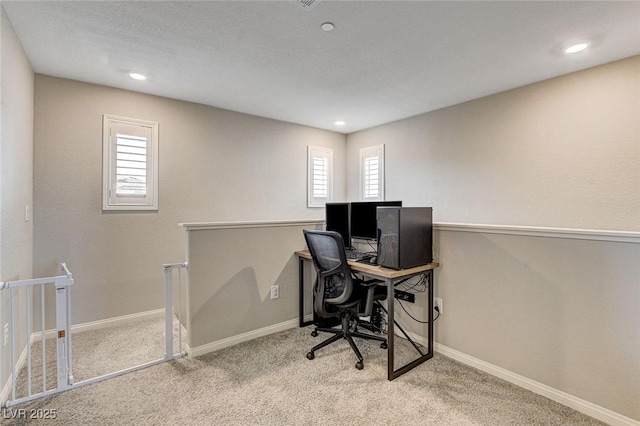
376	270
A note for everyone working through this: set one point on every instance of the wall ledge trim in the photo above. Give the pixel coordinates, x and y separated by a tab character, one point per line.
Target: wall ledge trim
197	226
534	231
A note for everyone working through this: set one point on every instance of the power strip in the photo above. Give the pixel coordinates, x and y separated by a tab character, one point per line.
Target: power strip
406	296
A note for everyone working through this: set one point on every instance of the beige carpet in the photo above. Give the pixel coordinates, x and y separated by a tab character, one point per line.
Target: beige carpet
103	351
268	381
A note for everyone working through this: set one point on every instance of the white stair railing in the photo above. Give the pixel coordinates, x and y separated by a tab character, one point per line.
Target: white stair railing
62	333
168	294
64	370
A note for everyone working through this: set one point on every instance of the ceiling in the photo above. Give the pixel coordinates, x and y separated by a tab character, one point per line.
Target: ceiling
384	61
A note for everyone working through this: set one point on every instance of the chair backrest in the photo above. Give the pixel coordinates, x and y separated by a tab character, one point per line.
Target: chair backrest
334	285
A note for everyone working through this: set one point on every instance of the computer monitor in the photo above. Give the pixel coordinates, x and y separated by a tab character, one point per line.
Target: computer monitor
337	219
364	218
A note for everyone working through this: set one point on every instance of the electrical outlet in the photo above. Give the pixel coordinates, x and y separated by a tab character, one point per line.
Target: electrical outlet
437	302
275	291
6	334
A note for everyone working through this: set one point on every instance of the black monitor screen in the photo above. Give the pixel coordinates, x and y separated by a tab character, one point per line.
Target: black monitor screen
337	219
364	218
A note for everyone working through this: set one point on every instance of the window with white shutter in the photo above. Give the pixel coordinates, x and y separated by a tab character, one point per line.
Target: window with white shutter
320	176
130	164
372	173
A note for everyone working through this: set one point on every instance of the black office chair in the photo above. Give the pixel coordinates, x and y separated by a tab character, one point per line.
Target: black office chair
337	294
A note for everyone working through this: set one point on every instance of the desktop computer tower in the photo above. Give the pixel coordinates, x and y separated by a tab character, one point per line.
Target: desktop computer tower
405	236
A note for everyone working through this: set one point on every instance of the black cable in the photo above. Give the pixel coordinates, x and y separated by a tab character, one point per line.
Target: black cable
422	282
402	281
421	289
384	325
415	319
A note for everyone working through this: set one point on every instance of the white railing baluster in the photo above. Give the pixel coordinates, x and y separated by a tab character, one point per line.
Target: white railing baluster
180	310
168	294
62	336
29	332
13	344
44	339
168	313
69	345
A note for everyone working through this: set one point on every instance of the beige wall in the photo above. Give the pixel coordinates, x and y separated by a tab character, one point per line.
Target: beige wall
562	312
215	165
231	271
561	153
16	184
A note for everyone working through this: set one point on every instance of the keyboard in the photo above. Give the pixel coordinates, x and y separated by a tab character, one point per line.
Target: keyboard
358	255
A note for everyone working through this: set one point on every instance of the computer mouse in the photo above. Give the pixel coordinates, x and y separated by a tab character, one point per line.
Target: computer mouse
373	260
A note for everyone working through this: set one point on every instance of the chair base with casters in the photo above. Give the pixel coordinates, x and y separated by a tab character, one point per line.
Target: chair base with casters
349	320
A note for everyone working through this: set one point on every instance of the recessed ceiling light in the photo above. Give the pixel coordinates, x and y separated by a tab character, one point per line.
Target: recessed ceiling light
576	48
327	26
137	76
339	123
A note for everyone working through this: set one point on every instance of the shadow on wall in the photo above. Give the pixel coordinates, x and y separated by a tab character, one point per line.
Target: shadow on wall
243	304
235	303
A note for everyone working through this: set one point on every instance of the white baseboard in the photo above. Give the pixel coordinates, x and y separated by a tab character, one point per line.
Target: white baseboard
93	325
240	338
585	407
578	404
96	325
6	389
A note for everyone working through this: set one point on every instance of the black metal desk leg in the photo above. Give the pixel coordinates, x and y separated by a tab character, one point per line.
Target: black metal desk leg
430	314
303	323
392	373
301	283
390	329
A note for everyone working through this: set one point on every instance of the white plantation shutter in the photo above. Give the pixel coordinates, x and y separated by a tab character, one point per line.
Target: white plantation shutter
372	173
320	176
130	164
372	177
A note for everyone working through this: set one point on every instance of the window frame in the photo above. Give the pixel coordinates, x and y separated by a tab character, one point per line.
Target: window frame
314	152
369	152
110	199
